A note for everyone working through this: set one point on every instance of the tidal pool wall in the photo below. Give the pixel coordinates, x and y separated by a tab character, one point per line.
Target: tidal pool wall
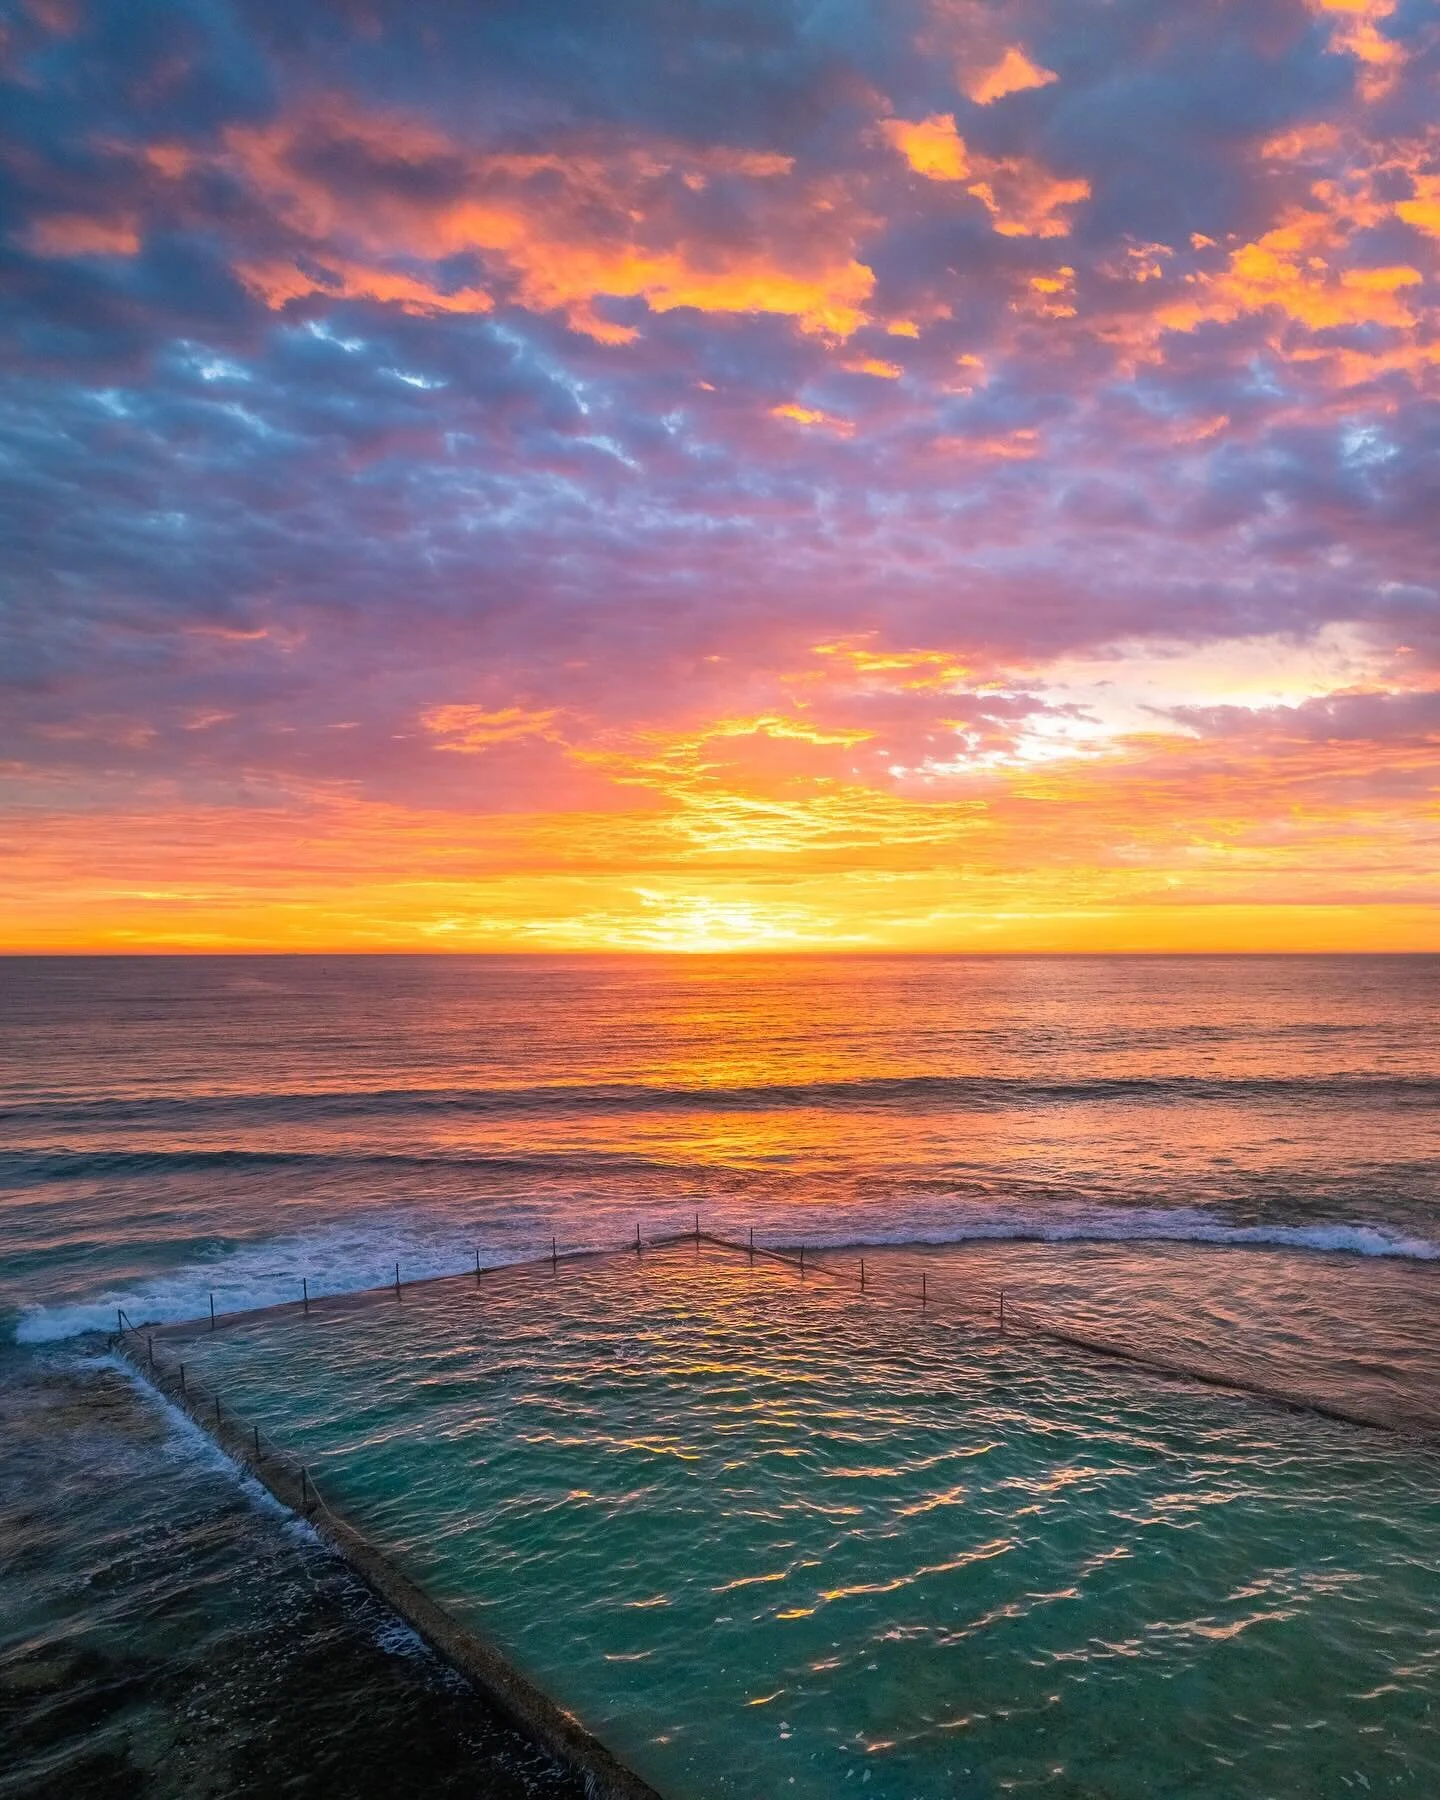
285	1476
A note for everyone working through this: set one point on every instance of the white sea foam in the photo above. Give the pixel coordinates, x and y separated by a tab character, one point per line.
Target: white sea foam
1140	1225
338	1258
397	1638
334	1259
192	1445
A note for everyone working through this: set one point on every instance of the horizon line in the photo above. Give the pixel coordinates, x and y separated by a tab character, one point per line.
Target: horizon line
159	952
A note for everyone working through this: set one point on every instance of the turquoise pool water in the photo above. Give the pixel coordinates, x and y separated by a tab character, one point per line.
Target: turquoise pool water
770	1538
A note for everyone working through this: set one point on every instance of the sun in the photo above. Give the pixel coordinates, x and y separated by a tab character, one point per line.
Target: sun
694	924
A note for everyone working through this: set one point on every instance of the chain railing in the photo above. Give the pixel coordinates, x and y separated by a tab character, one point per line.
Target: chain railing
1009	1313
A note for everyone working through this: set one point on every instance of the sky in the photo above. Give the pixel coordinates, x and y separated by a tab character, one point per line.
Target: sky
720	475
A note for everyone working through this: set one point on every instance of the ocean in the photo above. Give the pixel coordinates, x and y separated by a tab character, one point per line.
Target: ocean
1228	1163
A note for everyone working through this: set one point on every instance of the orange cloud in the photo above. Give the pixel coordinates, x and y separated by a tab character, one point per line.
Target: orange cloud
932	147
1423	209
1198	431
1052	296
812	415
471	730
278	283
173	161
1023	198
72	234
777	726
1301	143
1355	30
561	230
906	670
1013	74
1017	446
771	787
1141	262
1309	273
874	365
1291	269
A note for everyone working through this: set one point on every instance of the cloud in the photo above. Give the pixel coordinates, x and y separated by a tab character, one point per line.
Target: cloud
1022	197
1422	210
66	235
932	147
472	730
1393	723
813	415
728	474
278	283
1013	74
383	204
1356	30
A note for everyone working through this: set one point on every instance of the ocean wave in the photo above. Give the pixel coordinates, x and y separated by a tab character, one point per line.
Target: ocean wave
348	1258
335	1259
20	1167
932	1092
1157	1225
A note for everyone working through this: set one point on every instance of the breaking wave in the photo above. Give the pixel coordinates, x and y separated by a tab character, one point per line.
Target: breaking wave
350	1257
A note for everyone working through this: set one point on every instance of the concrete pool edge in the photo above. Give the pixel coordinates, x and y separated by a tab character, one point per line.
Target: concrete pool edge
559	1733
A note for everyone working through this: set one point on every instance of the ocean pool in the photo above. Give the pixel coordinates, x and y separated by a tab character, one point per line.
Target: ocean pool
772	1536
